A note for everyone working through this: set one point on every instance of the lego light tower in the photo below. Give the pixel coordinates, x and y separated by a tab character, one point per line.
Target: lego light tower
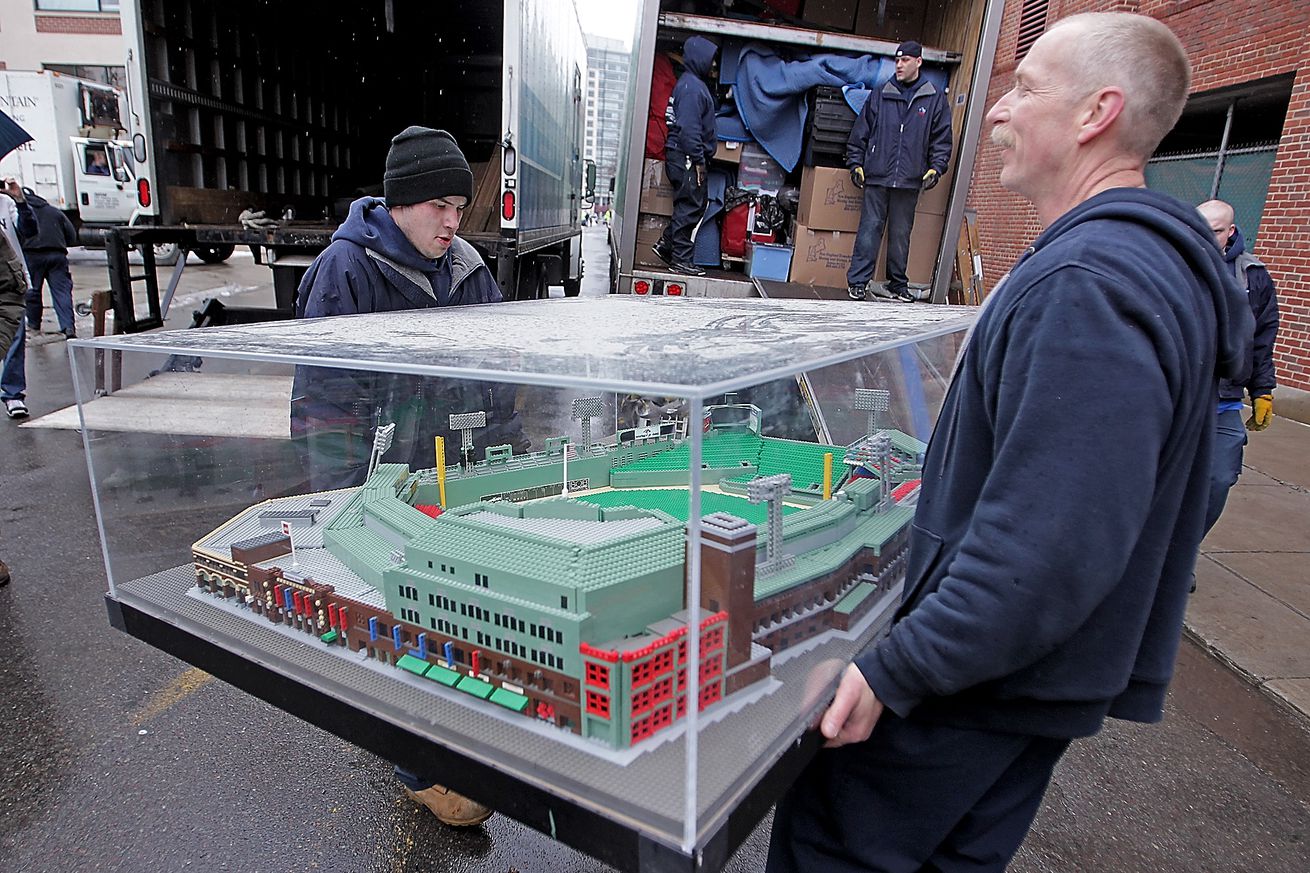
381	442
465	423
881	449
772	489
873	401
585	409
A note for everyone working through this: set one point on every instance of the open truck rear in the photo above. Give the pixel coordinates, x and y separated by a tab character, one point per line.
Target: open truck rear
289	108
959	39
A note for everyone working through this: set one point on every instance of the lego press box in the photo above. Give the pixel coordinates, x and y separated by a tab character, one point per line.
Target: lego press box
615	550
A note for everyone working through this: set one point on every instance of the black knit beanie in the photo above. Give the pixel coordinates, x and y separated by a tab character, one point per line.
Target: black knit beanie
424	164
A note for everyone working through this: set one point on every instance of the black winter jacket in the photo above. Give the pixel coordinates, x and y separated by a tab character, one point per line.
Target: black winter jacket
1254	278
691	106
43	228
1065	485
900	134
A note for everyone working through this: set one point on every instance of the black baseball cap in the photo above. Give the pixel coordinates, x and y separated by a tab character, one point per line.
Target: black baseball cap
909	49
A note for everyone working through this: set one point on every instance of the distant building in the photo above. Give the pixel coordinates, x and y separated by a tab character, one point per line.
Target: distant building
608	63
83	38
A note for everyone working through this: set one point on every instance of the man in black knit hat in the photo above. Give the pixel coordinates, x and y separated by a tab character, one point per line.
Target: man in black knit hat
394	253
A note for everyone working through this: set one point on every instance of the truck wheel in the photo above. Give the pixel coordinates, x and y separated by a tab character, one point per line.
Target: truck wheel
166	254
572	287
214	254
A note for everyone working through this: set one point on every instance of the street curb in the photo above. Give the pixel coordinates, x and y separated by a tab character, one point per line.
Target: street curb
1292	403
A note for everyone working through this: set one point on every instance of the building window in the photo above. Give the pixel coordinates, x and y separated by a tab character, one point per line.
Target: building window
411	616
409	592
77	5
598	705
563	602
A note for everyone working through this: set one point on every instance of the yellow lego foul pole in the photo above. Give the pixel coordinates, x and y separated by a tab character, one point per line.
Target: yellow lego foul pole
441	470
827	475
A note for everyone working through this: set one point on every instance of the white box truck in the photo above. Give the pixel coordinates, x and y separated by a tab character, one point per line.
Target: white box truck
78	158
289	108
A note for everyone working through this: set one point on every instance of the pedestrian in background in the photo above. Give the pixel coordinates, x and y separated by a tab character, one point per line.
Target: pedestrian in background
687	151
1230	435
13	372
900	145
46	240
1064	488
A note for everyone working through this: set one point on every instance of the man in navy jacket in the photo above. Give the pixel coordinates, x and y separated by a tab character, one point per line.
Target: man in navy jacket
1064	487
397	253
690	145
1230	435
900	144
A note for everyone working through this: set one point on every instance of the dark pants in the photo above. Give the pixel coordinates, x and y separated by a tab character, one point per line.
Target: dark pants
688	207
52	266
1225	463
891	209
13	374
914	797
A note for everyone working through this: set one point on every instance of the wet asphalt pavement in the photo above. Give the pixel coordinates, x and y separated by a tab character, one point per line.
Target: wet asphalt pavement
116	757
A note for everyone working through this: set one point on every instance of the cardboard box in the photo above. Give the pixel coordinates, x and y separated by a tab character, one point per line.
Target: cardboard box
649	230
656	192
728	152
768	261
829	200
821	257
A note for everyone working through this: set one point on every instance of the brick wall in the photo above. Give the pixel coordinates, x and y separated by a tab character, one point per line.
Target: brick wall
1228	46
98	24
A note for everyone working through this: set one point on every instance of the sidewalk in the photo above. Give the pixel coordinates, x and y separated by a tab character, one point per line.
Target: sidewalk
1251	609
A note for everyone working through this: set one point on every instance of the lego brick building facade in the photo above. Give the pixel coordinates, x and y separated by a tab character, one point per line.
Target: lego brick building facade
1251	63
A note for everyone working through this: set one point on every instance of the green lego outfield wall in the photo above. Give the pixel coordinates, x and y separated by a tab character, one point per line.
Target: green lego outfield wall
671	478
543	471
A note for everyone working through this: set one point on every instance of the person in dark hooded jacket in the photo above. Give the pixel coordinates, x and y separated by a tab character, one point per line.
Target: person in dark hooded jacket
1064	486
400	252
1230	435
687	151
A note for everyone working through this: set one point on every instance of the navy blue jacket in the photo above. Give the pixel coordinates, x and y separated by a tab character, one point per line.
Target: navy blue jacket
1252	275
371	266
42	227
900	134
1065	486
691	106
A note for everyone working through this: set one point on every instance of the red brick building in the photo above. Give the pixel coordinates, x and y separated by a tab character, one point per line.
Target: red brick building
1246	129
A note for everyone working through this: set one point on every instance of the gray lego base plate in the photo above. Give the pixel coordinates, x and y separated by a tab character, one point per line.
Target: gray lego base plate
739	740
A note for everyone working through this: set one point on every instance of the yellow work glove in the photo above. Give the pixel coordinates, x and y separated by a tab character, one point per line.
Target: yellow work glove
1262	412
857	176
930	178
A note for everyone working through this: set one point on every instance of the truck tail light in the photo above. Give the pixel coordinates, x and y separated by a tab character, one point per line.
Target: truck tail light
507	206
673	289
511	161
143	192
641	286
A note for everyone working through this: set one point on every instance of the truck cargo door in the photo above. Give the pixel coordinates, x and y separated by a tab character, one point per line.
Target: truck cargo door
105	183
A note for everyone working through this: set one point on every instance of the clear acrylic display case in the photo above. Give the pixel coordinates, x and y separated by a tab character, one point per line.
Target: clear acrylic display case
480	541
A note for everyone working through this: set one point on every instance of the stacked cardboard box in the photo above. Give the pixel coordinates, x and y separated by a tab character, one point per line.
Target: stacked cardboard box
649	230
656	192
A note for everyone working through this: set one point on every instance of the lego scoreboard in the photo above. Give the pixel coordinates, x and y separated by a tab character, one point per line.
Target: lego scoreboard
597	563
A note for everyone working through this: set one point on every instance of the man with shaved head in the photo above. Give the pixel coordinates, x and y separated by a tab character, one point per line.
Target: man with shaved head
1064	489
1230	435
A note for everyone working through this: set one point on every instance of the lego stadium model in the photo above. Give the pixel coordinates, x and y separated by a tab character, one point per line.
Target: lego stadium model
552	584
529	610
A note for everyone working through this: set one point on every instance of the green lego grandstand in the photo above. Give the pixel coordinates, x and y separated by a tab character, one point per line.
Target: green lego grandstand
552	584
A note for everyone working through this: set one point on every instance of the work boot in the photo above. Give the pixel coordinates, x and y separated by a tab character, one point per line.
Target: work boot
663	252
855	292
450	808
902	294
